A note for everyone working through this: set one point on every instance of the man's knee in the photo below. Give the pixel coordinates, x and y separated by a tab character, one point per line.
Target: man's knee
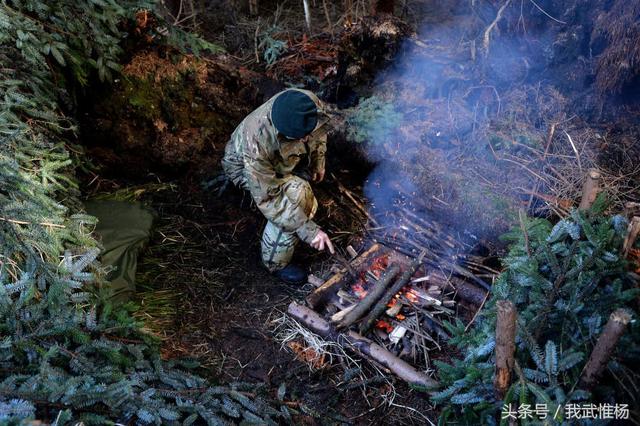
299	192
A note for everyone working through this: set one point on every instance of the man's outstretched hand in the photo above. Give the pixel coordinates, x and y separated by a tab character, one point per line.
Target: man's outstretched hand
321	241
318	176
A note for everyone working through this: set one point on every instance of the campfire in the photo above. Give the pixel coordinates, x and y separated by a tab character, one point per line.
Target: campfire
411	315
391	304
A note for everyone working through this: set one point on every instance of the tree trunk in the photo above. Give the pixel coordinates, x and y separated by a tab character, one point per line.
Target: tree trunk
604	348
253	7
505	346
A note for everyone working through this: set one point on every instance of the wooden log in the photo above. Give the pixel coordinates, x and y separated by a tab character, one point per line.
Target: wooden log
323	293
603	349
631	209
590	189
632	234
381	306
468	292
464	290
339	316
347	265
372	297
434	328
361	345
505	346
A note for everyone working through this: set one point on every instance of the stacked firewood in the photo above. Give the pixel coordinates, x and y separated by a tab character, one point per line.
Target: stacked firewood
402	311
389	307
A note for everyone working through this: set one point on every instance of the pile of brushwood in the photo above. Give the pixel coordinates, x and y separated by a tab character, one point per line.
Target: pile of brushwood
565	281
65	355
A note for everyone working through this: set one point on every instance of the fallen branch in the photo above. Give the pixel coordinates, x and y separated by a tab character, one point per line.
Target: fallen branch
361	345
372	296
487	32
355	202
476	314
24	222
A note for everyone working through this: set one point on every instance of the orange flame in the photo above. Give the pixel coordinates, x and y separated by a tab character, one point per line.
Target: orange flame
360	289
383	325
412	296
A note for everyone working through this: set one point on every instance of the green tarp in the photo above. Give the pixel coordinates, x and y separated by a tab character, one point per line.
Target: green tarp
124	228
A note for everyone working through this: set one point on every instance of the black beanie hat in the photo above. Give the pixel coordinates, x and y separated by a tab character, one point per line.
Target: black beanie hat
294	114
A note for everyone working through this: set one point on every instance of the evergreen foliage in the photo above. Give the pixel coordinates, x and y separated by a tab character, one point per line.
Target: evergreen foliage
374	120
272	47
64	356
565	281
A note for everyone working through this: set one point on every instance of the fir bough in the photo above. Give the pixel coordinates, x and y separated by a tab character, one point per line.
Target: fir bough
374	120
565	281
65	357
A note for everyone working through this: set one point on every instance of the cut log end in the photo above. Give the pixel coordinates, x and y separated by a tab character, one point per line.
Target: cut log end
590	189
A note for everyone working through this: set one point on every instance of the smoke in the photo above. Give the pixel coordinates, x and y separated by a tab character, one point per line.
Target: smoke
470	140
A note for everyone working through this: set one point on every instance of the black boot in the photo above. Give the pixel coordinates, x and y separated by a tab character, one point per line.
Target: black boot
292	274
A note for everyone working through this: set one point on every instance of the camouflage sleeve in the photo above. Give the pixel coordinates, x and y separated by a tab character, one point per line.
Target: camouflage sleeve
283	201
317	150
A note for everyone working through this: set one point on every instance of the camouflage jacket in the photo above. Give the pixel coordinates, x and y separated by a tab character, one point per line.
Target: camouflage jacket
260	160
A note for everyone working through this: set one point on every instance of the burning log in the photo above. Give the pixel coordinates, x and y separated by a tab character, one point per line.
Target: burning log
590	189
360	345
604	347
505	345
323	293
381	306
372	296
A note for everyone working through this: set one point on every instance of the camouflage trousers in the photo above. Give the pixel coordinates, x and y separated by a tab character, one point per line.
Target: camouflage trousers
278	244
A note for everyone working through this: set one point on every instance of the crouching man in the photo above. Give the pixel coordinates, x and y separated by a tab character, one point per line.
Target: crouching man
261	156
